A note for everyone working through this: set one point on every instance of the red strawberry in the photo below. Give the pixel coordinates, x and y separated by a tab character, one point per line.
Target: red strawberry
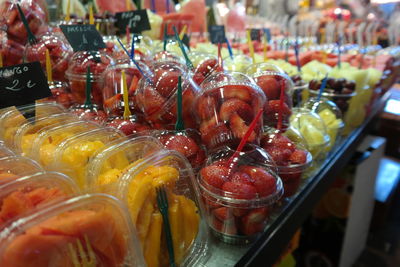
238	106
223	213
198	159
254	222
206	107
183	144
206	66
215	135
238	212
241	92
278	141
279	155
226	227
298	157
211	203
242	177
215	175
166	81
270	86
151	100
240	190
239	128
128	127
264	182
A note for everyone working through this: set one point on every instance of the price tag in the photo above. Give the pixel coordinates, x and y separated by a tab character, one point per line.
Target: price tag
83	37
217	34
22	84
255	35
137	21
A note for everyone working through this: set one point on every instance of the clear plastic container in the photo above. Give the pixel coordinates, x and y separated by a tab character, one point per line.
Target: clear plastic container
76	75
331	115
239	63
109	164
186	142
157	100
35	14
313	129
5	151
73	154
289	151
94	227
239	195
60	52
61	94
10	50
92	113
13	117
225	108
45	145
15	166
204	64
300	93
137	188
271	79
27	194
113	86
132	125
28	131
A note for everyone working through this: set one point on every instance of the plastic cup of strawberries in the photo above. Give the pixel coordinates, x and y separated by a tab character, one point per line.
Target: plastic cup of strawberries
204	64
61	94
225	108
10	50
113	103
187	142
12	23
76	74
239	195
93	113
289	152
132	125
60	52
157	98
271	79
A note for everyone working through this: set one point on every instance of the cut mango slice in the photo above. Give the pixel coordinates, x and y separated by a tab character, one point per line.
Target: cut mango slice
153	241
144	219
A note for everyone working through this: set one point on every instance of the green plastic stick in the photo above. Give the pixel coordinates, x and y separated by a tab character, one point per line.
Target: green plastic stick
179	126
165	36
31	37
188	62
88	102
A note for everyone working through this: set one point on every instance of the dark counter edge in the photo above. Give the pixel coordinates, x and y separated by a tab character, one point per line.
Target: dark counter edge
269	247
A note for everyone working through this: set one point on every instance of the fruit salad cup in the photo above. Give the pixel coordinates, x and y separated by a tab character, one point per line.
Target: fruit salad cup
13	167
225	108
46	143
141	188
313	129
27	194
72	156
291	157
331	115
239	196
88	228
13	118
187	142
28	131
60	52
10	50
271	79
11	20
107	166
113	86
76	75
157	99
61	94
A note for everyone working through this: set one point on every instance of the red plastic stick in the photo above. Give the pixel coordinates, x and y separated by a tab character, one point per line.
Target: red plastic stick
281	101
246	136
220	62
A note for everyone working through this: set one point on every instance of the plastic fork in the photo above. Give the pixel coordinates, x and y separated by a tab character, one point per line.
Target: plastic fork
81	258
162	202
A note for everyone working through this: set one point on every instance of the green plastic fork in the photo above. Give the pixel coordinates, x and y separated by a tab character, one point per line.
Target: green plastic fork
81	258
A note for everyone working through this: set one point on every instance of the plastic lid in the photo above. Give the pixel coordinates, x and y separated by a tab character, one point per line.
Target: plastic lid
28	131
15	166
81	60
137	188
13	117
27	194
47	141
74	153
93	226
327	110
107	166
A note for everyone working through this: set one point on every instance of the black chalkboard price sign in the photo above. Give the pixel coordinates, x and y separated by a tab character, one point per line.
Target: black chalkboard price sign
217	34
83	37
255	35
22	84
137	21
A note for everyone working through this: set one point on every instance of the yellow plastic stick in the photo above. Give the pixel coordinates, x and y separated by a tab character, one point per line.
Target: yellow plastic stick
48	67
1	60
324	56
323	35
68	16
127	112
128	5
183	31
250	43
91	17
98	26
